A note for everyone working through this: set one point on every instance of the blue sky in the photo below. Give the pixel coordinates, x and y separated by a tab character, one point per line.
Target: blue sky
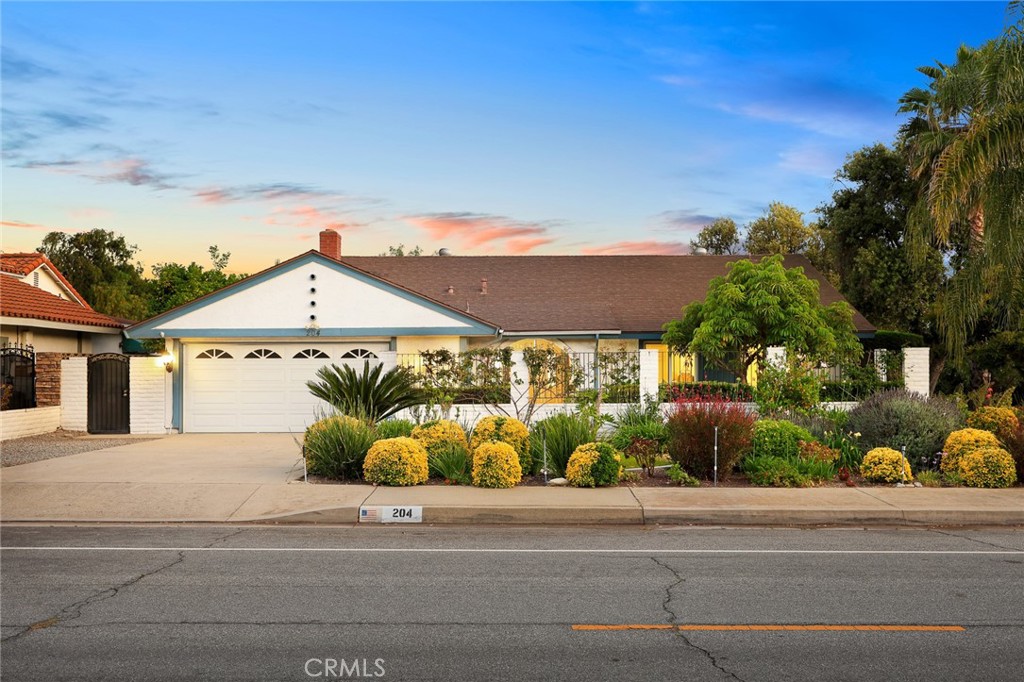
488	128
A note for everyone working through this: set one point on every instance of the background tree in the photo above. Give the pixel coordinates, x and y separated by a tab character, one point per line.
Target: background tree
864	230
101	266
174	284
719	238
780	230
758	306
399	251
965	142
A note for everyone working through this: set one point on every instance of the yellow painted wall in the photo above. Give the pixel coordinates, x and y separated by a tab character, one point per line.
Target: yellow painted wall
418	344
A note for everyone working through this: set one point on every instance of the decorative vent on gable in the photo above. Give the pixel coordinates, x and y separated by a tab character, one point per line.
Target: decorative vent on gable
265	353
358	353
312	353
214	353
35	278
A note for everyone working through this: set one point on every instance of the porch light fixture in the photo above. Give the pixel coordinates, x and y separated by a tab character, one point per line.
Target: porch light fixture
167	360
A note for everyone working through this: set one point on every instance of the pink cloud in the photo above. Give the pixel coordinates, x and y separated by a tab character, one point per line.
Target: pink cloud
475	230
306	217
645	248
20	225
89	213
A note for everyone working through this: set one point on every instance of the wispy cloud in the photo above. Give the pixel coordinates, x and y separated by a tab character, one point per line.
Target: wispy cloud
277	191
684	220
680	81
813	159
648	248
483	231
305	216
16	68
35	227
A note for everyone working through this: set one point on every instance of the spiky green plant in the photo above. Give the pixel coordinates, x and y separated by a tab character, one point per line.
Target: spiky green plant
372	394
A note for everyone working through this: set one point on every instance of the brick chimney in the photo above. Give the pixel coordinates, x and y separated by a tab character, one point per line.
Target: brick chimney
330	244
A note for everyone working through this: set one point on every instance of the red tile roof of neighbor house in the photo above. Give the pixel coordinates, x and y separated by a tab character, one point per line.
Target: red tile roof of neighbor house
24	263
632	294
19	299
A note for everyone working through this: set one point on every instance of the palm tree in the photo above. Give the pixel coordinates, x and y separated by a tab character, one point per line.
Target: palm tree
966	146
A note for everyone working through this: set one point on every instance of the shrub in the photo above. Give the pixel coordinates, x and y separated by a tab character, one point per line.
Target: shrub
706	390
440	435
988	468
593	465
371	395
816	452
819	421
645	451
560	435
768	470
779	438
638	422
496	465
678	475
396	461
929	478
450	461
900	418
504	430
336	446
960	443
999	420
393	428
816	470
1015	446
692	436
885	464
789	387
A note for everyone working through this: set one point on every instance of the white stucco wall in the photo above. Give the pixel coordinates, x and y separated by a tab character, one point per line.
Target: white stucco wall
147	390
285	302
74	394
31	422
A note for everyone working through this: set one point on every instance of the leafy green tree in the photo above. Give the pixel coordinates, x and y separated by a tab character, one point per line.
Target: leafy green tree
174	284
758	306
864	231
101	266
780	230
965	142
399	251
719	238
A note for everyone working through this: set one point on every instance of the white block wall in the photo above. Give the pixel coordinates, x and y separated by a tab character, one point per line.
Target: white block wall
30	422
916	370
147	394
74	394
648	374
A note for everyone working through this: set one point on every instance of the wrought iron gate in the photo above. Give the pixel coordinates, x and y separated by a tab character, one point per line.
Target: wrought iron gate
18	375
108	406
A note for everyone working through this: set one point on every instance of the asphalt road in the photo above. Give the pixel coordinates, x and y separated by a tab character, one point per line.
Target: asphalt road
259	603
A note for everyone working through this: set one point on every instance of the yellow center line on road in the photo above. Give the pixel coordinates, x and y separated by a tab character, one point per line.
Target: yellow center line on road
775	628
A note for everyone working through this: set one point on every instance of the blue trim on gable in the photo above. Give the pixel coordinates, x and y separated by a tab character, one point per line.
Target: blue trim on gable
326	333
147	328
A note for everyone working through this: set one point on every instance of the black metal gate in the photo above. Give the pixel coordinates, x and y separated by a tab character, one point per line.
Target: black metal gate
18	374
108	394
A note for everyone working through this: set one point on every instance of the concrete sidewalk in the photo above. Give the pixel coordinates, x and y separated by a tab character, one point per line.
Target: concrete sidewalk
257	479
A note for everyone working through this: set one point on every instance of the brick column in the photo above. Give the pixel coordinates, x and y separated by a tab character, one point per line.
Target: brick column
48	378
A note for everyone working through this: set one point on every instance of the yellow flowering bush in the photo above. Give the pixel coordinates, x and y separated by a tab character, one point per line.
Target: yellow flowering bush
999	420
988	468
885	464
504	430
396	461
496	465
440	435
961	442
594	464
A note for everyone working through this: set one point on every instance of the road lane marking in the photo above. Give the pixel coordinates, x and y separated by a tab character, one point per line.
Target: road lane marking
505	550
774	628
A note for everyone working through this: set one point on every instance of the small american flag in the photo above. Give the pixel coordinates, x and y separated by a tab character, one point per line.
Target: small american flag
369	515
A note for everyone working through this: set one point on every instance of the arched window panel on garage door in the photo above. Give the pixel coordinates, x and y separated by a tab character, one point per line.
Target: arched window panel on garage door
214	354
358	354
311	353
262	353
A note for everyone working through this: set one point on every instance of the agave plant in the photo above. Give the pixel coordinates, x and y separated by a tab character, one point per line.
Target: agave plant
372	394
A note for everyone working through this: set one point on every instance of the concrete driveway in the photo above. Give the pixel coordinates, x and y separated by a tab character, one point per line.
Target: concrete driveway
190	477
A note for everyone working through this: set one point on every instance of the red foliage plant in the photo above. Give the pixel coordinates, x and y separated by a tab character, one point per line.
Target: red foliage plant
692	435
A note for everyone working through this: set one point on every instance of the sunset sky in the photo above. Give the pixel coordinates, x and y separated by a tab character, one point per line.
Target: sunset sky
485	128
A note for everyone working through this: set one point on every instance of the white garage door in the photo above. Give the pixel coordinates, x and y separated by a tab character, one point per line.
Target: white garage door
260	387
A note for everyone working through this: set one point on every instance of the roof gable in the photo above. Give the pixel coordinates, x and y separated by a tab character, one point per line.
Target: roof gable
23	265
283	300
22	300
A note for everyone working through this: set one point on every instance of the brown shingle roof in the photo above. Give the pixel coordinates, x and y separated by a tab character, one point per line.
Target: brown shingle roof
18	299
24	263
633	294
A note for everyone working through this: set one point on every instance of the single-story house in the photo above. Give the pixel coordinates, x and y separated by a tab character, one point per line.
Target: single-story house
240	357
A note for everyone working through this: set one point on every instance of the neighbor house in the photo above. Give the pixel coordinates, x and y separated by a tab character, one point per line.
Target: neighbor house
239	358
